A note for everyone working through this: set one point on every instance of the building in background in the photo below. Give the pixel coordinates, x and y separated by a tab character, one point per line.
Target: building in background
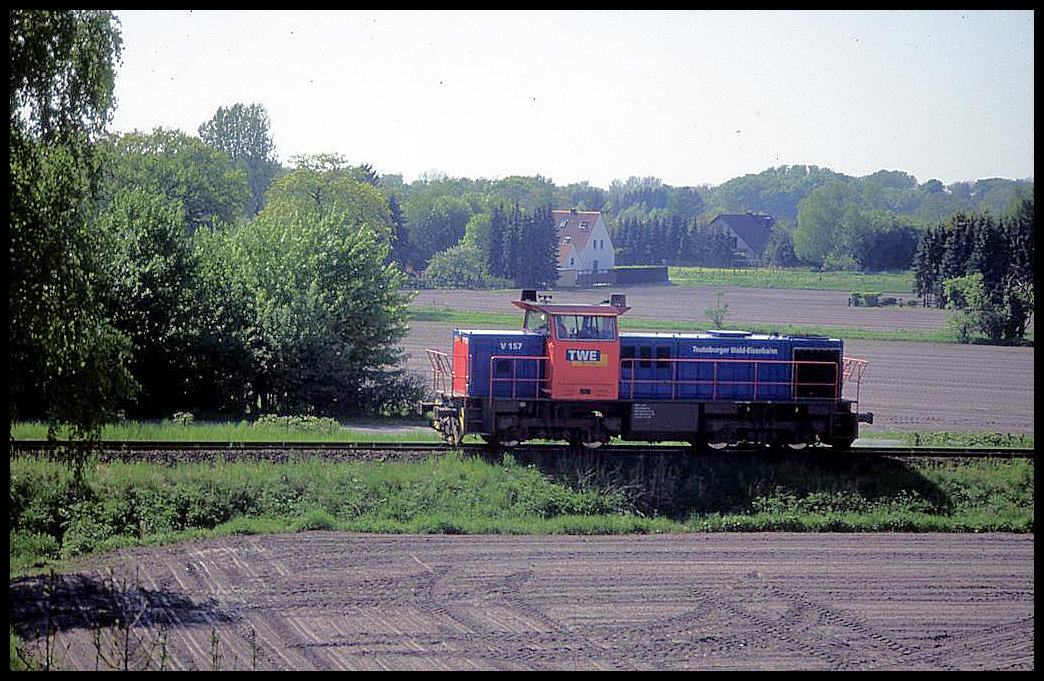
585	251
749	232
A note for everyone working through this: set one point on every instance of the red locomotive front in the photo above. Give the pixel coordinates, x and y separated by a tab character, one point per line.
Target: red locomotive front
583	348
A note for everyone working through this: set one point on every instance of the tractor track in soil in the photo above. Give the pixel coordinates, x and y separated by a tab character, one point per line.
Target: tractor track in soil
346	601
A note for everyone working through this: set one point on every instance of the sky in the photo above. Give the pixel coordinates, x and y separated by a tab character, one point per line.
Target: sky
689	97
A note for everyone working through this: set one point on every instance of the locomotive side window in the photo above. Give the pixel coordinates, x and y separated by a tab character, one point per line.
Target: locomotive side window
585	327
537	322
817	373
626	367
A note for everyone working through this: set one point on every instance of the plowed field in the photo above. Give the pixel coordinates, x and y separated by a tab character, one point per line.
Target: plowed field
340	601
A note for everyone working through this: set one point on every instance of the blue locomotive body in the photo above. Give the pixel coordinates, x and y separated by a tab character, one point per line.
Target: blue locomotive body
569	374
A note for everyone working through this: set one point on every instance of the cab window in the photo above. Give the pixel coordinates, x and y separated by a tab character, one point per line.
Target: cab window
537	322
585	327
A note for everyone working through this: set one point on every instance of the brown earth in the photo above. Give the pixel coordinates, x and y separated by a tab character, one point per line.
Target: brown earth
343	601
907	386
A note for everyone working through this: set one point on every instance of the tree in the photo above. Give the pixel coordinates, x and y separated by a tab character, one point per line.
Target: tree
585	197
326	184
927	264
160	190
779	250
329	310
827	223
981	268
401	251
151	268
529	245
496	258
203	180
885	242
241	131
435	223
458	267
67	362
973	311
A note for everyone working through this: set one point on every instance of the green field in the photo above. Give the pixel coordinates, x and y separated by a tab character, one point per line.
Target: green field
793	278
495	320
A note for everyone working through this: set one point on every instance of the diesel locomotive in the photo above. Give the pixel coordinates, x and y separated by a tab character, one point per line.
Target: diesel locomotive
569	374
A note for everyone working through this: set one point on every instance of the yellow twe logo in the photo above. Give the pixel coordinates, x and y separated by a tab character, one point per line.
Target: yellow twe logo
584	357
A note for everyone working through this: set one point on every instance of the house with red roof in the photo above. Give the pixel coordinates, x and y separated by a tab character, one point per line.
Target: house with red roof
584	246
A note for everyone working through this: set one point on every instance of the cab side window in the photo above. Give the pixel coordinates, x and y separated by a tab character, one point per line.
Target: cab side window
537	322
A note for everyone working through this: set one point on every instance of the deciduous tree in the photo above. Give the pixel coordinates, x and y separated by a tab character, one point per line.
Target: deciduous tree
66	361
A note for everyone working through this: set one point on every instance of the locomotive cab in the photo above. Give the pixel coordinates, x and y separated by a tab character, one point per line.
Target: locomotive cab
583	348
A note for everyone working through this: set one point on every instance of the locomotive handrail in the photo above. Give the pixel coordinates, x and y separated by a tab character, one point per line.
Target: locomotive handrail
443	375
854	367
514	378
441	370
674	382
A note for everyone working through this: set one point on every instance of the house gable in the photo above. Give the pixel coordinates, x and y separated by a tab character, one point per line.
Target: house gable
583	241
752	231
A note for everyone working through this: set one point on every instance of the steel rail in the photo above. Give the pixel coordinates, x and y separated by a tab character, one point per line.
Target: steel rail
131	447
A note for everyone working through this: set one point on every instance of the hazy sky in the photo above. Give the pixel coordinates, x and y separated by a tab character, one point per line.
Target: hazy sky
689	97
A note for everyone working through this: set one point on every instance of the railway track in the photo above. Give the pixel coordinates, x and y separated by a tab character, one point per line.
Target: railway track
177	451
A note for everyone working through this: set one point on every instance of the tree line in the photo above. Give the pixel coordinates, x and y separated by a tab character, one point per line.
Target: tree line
982	267
157	272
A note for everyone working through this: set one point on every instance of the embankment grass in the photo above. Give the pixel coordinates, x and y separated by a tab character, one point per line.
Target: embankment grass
242	431
57	517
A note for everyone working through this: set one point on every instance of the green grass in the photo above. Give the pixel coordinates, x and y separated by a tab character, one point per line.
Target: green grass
970	438
491	320
801	278
167	431
56	517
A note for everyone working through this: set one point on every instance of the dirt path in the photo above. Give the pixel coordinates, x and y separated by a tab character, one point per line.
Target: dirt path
341	601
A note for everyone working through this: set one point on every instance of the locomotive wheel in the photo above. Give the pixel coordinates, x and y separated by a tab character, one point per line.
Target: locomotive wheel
586	439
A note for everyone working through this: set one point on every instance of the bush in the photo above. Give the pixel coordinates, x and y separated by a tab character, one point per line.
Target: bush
183	418
300	424
460	266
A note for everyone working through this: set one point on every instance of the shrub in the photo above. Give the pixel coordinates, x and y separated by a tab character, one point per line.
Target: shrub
183	419
300	424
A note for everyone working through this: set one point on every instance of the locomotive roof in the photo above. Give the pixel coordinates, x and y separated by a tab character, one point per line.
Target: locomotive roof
553	308
713	335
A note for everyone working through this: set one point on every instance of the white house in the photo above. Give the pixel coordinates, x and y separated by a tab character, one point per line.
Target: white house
584	245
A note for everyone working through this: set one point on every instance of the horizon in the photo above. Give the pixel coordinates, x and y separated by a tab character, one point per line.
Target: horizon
691	98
